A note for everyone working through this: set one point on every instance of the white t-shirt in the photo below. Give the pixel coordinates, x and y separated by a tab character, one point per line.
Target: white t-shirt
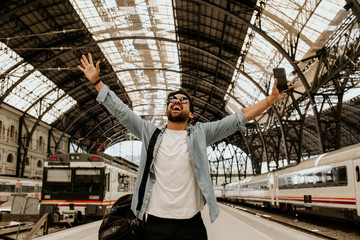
176	193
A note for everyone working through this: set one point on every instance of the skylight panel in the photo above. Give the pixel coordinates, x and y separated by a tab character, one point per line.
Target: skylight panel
59	109
244	91
7	58
302	49
146	18
25	96
274	29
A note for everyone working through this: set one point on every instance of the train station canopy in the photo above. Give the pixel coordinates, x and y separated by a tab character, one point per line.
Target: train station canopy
221	51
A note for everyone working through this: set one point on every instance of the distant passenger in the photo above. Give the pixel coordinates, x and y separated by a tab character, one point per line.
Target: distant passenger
180	183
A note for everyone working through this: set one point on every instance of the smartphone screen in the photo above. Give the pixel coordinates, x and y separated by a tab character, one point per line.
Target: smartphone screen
280	75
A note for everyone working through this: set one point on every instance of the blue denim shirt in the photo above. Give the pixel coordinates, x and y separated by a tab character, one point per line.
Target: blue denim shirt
199	137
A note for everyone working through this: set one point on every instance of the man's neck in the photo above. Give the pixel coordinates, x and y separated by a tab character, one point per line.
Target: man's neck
176	125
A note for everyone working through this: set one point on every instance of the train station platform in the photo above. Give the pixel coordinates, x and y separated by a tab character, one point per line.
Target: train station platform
232	224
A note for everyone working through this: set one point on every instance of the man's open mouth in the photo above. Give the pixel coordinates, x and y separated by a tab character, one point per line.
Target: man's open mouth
176	108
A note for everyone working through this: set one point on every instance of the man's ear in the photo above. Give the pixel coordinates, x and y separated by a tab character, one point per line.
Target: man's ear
166	113
191	115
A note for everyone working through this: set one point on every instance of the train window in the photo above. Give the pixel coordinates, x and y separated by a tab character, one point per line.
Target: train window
285	183
301	179
319	178
58	175
342	176
310	179
18	187
27	189
124	183
87	176
281	183
357	174
329	176
7	188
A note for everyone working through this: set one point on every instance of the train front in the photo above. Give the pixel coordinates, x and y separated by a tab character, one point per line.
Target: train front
73	187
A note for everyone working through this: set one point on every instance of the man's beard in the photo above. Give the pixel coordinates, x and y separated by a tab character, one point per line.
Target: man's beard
182	117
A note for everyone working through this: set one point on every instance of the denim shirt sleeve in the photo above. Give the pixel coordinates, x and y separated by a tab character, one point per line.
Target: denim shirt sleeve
217	130
121	111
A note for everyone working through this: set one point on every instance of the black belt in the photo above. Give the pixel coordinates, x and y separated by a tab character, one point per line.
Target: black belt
152	218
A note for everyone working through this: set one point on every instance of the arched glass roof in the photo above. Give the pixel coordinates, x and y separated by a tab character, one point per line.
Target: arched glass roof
131	57
35	93
312	20
224	56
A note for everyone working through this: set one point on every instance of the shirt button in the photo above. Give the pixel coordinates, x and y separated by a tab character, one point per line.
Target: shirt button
153	180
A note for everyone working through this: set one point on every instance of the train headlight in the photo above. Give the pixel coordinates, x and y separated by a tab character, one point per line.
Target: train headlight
94	197
47	196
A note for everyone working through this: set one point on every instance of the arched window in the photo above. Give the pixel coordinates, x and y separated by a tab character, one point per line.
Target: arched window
12	134
10	158
39	164
27	161
41	143
12	131
1	126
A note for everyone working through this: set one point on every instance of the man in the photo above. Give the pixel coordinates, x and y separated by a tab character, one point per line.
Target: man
179	181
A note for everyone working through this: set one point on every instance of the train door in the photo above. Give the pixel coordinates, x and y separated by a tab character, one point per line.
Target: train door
107	185
357	184
272	188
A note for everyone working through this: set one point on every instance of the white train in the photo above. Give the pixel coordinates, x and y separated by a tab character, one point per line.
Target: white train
80	185
10	186
328	185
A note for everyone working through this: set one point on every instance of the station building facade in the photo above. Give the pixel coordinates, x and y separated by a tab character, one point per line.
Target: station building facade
41	144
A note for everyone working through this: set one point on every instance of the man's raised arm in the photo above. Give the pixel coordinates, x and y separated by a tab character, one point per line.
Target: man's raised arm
255	110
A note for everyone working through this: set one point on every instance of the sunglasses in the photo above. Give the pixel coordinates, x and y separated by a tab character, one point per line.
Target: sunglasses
173	99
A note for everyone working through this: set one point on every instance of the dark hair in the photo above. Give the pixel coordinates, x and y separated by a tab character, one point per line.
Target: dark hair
181	91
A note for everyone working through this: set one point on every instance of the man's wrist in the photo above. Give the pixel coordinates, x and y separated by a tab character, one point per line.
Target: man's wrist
271	100
97	81
268	102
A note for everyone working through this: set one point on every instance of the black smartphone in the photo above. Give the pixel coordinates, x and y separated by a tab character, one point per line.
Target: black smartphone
280	75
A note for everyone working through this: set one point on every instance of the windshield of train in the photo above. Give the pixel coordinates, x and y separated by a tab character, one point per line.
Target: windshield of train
58	175
87	180
73	183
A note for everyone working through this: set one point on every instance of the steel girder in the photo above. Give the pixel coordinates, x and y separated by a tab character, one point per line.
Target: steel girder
294	129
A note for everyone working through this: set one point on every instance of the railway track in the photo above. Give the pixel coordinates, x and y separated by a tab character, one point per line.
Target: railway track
326	230
12	232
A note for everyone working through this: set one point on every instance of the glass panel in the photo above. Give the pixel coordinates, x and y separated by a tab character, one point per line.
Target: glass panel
58	175
133	20
25	96
87	176
279	18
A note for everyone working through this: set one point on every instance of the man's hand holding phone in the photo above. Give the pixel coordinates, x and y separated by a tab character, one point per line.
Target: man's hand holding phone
280	75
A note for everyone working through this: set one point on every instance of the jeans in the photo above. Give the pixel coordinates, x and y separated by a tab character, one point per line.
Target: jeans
175	229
